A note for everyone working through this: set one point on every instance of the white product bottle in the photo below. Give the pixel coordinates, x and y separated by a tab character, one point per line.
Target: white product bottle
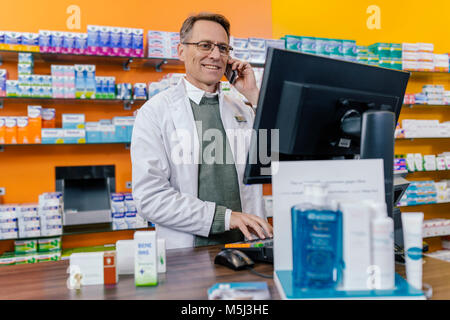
382	247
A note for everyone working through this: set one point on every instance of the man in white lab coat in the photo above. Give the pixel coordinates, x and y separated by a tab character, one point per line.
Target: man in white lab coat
190	144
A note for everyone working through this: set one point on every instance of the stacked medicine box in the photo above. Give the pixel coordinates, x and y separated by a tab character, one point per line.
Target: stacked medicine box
124	212
334	48
8	222
162	44
387	55
50	213
115	41
253	50
118	129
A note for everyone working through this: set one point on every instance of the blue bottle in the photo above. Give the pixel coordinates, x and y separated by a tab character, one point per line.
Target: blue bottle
316	240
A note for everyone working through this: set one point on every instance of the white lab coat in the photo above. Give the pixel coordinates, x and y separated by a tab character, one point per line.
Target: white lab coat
165	191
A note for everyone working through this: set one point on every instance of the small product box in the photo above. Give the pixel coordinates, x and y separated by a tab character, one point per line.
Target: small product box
68	45
52	136
10	130
2	130
89	81
48	257
257	44
50	244
57	42
126	45
121	129
140	91
115	41
12	88
25	246
104	41
107	131
34	124
22	130
93	132
45	40
99	87
137	43
73	120
80	83
93	40
80	43
77	136
110	272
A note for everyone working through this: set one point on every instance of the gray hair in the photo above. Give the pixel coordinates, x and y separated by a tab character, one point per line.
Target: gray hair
188	24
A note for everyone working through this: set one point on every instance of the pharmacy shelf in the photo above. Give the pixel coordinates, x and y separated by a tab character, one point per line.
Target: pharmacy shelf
426	106
84	229
424	204
125	62
61	144
421	138
127	103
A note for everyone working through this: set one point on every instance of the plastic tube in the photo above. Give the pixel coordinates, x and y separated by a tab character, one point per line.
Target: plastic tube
412	223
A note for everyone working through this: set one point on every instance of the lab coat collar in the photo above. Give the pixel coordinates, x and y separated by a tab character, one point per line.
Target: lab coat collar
196	94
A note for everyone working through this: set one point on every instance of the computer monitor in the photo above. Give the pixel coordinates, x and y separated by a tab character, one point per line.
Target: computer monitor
317	104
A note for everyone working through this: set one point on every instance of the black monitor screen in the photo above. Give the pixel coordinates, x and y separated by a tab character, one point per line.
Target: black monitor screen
316	104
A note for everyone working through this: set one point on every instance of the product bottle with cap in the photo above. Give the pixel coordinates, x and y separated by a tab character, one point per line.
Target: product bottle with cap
382	247
316	240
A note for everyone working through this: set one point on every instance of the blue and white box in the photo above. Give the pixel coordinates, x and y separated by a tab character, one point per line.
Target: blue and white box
121	129
75	136
93	132
107	131
52	136
140	91
73	120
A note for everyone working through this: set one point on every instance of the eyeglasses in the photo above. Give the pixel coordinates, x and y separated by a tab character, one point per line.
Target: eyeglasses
208	46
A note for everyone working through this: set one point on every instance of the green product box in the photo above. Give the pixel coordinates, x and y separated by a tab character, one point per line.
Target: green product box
51	244
25	259
308	45
362	50
396	50
7	259
381	49
362	59
25	246
349	48
373	59
293	43
385	62
396	63
50	256
334	47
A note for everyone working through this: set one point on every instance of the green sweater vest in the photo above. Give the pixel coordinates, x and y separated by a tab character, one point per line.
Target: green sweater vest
217	176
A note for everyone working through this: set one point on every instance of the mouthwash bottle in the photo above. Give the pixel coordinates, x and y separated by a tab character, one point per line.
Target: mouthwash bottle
316	240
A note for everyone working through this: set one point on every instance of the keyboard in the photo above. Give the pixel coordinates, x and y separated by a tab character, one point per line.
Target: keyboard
260	250
258	243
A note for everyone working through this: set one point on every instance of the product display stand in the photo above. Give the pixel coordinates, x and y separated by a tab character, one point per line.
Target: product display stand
402	291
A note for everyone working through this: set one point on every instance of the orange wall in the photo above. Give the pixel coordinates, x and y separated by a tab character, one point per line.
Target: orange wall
27	171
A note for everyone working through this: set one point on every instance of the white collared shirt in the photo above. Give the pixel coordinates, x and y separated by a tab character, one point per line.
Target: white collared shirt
196	95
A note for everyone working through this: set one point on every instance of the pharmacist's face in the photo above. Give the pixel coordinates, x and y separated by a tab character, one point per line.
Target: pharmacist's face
204	67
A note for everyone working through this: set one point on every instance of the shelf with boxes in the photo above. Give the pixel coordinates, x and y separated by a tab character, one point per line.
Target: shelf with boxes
47	218
39	127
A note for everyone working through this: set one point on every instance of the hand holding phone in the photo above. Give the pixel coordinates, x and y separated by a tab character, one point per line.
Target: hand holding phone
230	74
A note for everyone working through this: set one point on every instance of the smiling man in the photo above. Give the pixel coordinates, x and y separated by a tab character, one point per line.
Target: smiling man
202	201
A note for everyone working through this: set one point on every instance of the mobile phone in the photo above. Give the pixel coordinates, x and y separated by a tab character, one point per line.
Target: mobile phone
230	74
